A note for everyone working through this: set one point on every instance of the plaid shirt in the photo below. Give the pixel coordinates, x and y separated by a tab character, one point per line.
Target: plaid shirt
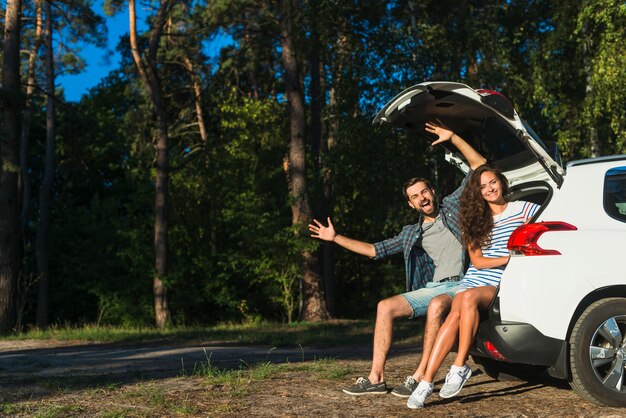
418	266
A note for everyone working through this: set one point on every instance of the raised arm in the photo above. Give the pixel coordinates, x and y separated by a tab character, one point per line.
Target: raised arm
481	262
474	159
327	233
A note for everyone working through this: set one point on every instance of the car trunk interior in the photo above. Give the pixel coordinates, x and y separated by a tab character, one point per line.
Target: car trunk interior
538	192
479	125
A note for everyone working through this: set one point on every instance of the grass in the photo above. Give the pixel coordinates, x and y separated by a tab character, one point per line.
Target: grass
186	407
236	380
327	333
328	369
206	390
230	387
43	410
325	368
96	384
209	390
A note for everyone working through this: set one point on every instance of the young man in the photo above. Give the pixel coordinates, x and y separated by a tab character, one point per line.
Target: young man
434	262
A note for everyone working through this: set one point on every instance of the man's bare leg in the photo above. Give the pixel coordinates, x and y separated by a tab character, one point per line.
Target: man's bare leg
438	309
388	310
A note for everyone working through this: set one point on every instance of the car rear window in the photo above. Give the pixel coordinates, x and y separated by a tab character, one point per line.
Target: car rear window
615	193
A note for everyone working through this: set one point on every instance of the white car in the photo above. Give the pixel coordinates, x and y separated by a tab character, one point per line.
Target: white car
561	304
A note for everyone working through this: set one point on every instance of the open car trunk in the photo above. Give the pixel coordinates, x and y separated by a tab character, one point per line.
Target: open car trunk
485	119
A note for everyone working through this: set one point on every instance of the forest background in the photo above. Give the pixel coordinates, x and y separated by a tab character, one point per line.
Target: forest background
177	191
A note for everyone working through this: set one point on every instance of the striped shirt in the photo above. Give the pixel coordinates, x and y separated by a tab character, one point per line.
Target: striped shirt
515	215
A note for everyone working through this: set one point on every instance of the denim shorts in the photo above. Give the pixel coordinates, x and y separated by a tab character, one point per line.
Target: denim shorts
420	298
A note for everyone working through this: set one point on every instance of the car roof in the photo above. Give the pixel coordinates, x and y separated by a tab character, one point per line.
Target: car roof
595	160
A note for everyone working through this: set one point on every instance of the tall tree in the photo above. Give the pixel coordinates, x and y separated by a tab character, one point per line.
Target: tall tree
9	167
319	148
31	82
313	300
75	20
147	67
45	191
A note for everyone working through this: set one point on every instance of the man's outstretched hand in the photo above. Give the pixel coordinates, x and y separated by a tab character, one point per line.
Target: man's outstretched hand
326	233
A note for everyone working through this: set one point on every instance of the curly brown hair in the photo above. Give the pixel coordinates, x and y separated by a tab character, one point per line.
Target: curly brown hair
476	218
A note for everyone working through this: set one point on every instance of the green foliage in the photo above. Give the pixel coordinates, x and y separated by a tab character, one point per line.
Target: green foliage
234	255
579	77
227	220
101	234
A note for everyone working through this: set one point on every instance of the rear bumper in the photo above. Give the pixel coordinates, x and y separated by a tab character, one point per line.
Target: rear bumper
521	343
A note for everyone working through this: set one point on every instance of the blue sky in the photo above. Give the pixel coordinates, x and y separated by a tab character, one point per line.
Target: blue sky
100	61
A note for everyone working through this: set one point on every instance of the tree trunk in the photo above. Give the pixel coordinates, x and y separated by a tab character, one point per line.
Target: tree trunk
319	149
161	308
327	142
25	189
313	301
45	192
9	167
315	89
148	70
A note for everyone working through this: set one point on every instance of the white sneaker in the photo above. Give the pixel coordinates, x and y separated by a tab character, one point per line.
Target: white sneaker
419	395
455	380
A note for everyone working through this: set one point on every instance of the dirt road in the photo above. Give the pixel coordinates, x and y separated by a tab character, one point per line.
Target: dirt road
38	375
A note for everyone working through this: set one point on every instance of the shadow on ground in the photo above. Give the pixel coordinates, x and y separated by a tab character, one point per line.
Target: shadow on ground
82	366
34	369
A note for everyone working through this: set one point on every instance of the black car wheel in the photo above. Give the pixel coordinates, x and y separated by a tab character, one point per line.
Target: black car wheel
598	353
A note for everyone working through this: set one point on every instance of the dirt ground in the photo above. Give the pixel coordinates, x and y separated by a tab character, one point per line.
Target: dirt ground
60	379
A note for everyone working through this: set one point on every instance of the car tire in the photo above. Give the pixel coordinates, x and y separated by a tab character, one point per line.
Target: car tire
598	353
506	372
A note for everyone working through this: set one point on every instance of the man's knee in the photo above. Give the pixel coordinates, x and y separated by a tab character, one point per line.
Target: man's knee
394	307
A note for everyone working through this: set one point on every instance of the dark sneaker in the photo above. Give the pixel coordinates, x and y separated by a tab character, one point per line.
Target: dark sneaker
455	380
364	387
405	389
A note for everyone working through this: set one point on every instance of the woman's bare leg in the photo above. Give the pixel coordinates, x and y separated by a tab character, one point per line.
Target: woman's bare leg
474	300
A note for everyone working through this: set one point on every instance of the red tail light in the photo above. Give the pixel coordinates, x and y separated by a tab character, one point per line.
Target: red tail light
493	351
524	239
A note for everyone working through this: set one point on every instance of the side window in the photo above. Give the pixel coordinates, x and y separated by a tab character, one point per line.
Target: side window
615	193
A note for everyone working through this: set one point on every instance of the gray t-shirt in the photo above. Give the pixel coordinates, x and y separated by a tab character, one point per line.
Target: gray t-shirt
445	250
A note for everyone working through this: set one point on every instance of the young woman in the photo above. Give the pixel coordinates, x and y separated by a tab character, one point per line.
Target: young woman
487	221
